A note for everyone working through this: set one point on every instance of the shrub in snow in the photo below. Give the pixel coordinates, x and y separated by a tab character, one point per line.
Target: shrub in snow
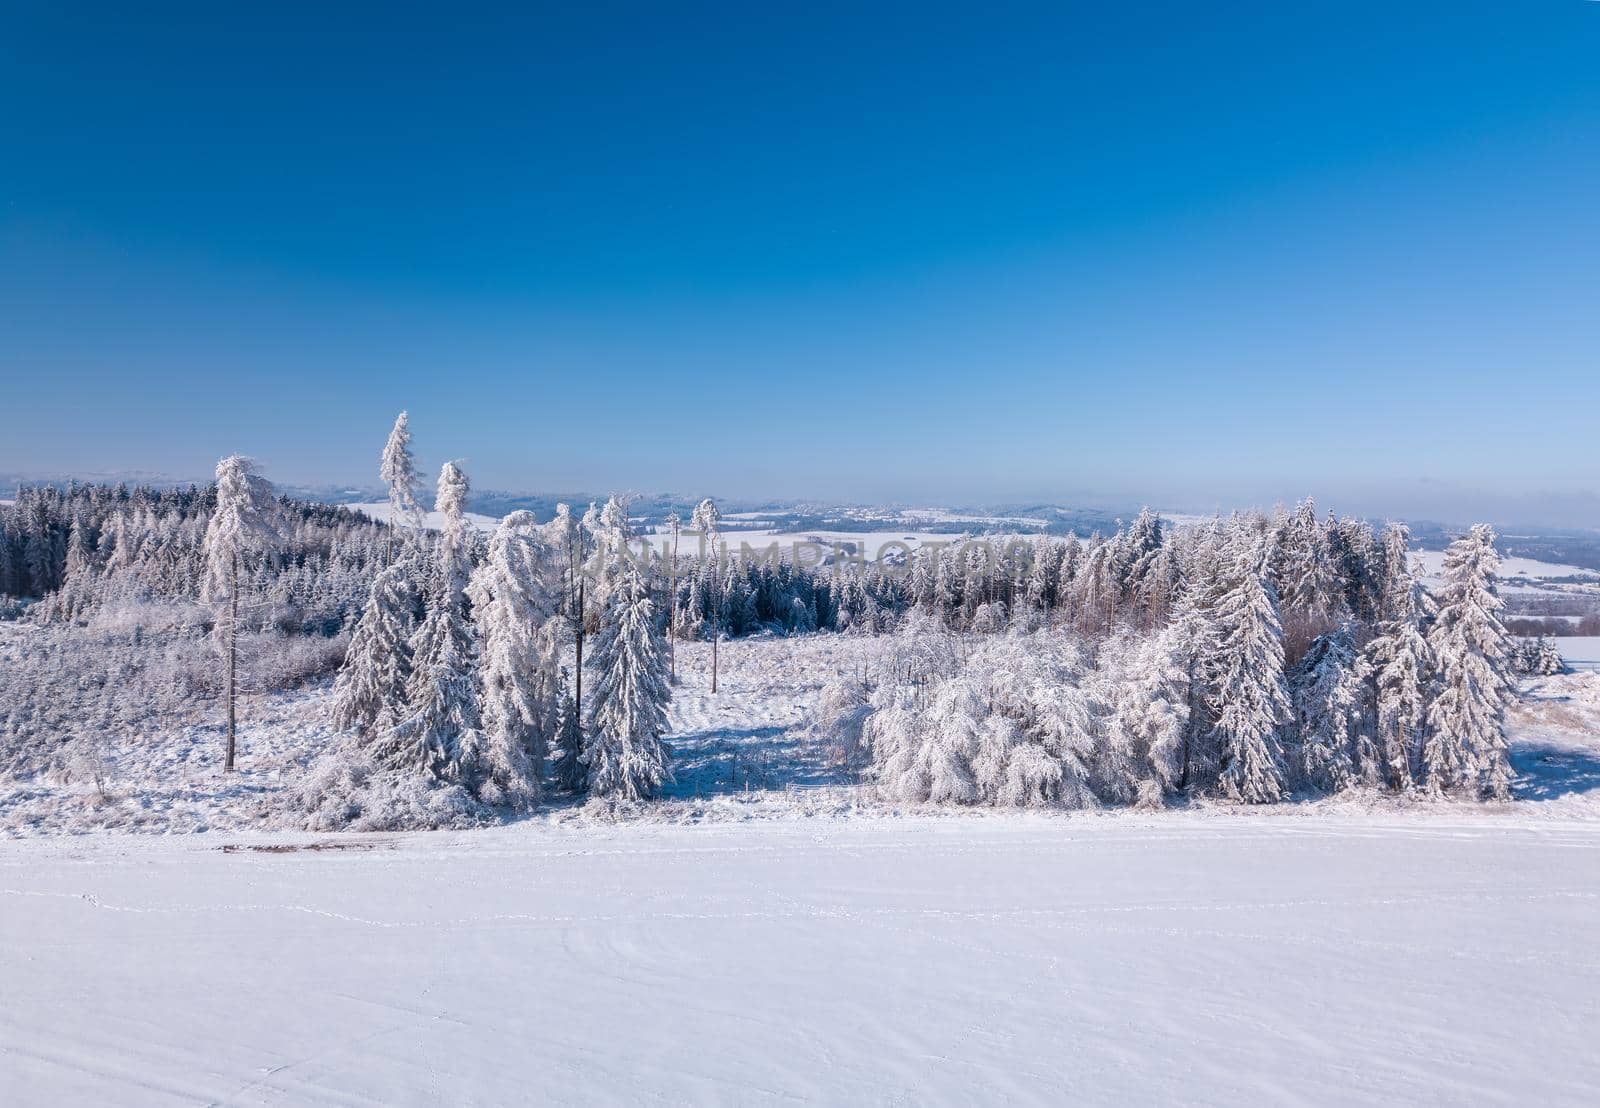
1004	724
350	791
838	719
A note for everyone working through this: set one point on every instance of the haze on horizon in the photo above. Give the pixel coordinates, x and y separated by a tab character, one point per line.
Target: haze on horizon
935	256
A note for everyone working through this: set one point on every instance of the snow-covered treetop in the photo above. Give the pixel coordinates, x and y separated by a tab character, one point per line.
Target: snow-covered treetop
707	518
399	471
245	518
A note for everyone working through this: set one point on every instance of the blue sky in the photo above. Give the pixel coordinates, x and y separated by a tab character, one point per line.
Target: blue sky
1188	254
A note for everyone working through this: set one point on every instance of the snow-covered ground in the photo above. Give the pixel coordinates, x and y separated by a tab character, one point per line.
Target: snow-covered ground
768	933
1438	958
741	753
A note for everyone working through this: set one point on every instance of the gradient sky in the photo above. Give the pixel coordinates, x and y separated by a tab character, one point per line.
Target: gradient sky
1183	253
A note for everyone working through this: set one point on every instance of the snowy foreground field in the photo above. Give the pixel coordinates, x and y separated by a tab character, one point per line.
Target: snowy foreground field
767	933
1179	958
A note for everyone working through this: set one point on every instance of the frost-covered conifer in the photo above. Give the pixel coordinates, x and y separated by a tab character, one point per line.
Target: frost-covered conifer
1310	591
370	691
1402	662
1044	574
1250	701
244	521
1148	693
566	753
513	608
707	520
398	470
440	736
624	753
1465	748
456	539
1335	745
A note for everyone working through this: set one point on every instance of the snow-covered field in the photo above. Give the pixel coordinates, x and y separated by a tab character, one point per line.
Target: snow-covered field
768	933
1437	958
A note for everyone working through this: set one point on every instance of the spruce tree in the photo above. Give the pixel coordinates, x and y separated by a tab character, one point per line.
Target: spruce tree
1402	662
399	472
370	692
243	522
1465	748
1334	743
440	736
566	753
624	753
512	606
1250	700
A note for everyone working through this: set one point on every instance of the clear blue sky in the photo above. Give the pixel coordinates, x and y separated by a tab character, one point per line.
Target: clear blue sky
1175	252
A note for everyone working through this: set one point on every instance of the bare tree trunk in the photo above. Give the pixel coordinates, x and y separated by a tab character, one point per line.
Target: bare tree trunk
233	657
716	633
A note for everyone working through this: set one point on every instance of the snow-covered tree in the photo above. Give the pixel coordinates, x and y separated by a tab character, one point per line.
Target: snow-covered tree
1146	687
243	522
566	753
518	658
707	520
624	753
1465	748
674	530
441	737
1307	580
838	720
399	472
370	691
1250	701
1335	745
456	538
1402	662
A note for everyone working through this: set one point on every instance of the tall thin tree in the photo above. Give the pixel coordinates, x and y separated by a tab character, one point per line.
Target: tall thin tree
707	520
244	521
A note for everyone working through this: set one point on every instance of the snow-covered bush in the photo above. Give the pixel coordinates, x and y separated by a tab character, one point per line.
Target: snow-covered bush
838	718
350	791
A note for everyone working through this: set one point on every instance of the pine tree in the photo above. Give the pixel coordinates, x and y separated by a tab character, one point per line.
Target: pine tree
1250	701
1311	593
8	585
566	753
707	520
1402	662
624	753
398	470
244	521
441	737
1335	746
1466	748
1043	574
511	605
370	691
